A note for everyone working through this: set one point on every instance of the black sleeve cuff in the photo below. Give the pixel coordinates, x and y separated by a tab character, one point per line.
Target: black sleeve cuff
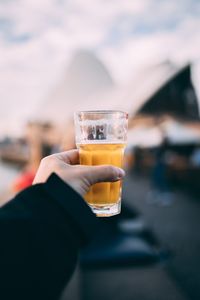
74	205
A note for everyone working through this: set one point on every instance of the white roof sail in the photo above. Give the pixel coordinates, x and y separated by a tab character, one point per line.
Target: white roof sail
86	77
87	85
146	82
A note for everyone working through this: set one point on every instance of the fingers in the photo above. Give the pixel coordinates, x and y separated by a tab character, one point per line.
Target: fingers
70	157
104	173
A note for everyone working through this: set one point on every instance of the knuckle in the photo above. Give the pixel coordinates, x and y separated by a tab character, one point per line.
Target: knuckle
48	160
111	171
44	160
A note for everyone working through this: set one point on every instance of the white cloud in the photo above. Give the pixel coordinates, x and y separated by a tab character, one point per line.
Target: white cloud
180	45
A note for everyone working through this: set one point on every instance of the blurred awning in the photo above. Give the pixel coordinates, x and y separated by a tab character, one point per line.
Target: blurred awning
149	134
180	132
145	137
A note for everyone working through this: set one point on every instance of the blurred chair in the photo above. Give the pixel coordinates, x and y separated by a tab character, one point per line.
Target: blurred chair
124	241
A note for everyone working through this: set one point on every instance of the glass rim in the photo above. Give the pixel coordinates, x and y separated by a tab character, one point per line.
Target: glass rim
101	112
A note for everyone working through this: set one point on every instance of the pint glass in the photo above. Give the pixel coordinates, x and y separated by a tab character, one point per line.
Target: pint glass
101	139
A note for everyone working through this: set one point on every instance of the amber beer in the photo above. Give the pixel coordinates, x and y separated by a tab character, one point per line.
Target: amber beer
106	193
101	137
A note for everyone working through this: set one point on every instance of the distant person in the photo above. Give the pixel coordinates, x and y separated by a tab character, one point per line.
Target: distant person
195	158
137	161
44	226
160	186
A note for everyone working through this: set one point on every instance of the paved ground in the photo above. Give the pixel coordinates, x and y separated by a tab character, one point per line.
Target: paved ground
177	226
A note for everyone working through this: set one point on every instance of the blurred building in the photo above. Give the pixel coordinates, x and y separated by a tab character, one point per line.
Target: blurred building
87	84
152	95
161	102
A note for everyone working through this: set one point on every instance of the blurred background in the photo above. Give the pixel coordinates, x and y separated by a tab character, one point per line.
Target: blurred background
142	57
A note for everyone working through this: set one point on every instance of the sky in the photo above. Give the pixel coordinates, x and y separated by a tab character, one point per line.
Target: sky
38	39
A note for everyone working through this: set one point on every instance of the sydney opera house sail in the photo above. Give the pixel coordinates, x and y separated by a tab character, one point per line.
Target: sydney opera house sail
177	97
87	84
85	80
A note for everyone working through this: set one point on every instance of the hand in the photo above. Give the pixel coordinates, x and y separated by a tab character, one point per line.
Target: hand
80	178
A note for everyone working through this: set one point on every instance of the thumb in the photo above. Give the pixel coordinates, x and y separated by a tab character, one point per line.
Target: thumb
103	173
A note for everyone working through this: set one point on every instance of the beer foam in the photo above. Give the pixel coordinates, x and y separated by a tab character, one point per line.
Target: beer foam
100	142
112	122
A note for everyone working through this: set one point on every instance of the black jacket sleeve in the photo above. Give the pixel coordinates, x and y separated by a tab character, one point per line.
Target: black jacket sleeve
41	231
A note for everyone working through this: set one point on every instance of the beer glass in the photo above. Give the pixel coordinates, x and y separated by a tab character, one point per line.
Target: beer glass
101	139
